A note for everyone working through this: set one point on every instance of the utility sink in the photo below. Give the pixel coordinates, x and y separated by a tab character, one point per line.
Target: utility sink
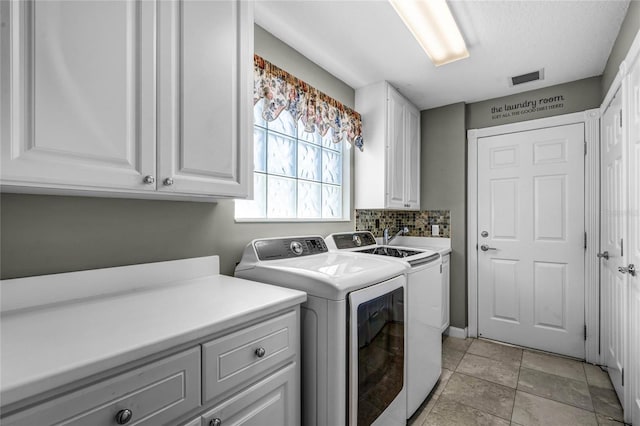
390	251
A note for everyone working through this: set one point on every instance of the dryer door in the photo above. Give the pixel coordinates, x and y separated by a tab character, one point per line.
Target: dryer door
377	316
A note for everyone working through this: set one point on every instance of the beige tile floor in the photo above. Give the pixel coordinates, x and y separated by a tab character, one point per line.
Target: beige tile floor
486	383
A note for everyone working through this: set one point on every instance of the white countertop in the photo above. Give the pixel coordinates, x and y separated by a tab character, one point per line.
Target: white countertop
56	344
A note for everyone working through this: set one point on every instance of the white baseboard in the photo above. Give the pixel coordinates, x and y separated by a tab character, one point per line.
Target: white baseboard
460	333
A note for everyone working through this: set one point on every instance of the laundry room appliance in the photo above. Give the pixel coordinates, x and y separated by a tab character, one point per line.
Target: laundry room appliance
353	328
424	308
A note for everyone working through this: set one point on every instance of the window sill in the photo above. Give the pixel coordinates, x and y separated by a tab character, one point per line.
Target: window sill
291	220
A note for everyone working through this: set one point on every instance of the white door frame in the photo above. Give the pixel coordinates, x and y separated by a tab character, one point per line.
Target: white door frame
591	120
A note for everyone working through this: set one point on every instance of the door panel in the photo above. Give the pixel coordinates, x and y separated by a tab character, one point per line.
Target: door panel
413	158
205	107
531	203
395	151
81	95
506	296
504	209
613	283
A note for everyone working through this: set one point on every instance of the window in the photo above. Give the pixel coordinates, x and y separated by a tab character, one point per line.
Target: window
301	151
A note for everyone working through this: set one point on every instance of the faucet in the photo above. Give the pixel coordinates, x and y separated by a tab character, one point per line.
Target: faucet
385	235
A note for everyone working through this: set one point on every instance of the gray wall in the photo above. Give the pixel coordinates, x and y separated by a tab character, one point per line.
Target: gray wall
443	183
628	31
50	234
576	96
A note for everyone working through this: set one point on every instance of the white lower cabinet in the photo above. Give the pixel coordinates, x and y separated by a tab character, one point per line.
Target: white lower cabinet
151	395
248	377
446	288
272	401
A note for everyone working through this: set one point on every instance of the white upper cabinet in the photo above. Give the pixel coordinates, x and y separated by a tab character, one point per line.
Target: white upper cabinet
205	94
133	98
388	170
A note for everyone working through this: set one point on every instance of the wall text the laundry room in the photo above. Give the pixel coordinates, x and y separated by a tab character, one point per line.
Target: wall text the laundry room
526	106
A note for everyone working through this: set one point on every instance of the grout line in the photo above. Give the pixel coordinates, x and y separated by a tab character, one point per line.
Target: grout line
513	407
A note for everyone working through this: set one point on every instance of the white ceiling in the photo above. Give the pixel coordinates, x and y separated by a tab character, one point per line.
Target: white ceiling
362	42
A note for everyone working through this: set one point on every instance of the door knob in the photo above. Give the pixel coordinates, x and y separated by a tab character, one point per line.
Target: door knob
631	269
604	255
485	247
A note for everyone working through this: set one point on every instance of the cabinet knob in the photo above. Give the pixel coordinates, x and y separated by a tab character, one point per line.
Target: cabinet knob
148	179
215	422
124	416
260	352
168	182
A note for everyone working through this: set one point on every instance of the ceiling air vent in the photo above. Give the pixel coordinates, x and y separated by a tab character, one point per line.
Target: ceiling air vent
525	78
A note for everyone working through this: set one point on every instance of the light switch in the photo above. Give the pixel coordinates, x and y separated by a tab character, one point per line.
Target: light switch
435	230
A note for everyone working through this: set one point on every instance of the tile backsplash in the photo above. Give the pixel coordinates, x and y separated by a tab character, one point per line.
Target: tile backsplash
418	222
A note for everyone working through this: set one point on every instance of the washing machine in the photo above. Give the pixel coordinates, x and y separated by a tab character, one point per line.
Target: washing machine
353	328
424	308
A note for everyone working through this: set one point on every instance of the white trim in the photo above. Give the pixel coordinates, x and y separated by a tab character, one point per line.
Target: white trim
460	333
472	231
591	120
592	228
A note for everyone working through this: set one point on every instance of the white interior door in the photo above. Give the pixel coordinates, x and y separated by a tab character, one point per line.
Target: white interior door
633	247
531	222
613	283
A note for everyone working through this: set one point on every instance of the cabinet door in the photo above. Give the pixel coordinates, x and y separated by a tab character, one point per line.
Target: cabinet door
412	168
205	77
272	401
78	94
446	268
394	196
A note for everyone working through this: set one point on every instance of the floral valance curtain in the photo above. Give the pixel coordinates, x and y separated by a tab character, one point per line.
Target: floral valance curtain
311	110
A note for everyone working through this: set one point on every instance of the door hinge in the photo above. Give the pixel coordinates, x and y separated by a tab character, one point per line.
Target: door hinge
441	268
623	377
585	148
621	247
585	240
585	332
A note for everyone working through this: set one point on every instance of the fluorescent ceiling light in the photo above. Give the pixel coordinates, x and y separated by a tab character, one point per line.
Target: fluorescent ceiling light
432	24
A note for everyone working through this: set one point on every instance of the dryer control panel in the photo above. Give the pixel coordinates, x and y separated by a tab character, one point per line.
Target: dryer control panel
285	248
347	240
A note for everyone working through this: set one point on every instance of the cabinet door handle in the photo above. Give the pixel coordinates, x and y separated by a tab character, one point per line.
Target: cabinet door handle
148	179
167	182
124	416
260	352
215	422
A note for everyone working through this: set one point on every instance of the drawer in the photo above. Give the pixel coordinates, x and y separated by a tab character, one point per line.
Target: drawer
238	357
275	400
155	394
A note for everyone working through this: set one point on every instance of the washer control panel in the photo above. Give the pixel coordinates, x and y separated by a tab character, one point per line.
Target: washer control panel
285	248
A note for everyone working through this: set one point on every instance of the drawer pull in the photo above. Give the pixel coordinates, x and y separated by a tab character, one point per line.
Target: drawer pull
260	352
215	422
124	416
